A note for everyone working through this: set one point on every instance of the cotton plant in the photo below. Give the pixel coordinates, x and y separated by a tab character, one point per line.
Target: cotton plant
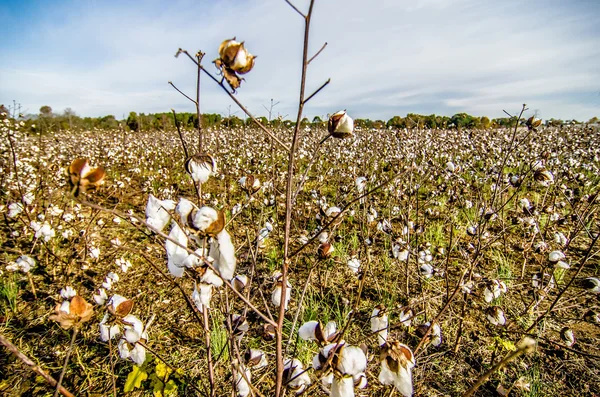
434	337
23	264
201	167
315	331
495	316
119	323
73	310
42	231
354	265
130	345
263	234
201	224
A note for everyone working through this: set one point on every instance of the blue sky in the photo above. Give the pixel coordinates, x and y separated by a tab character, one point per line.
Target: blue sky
384	57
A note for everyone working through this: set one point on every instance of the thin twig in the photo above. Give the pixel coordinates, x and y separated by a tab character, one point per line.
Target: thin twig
181	92
317	91
185	151
68	356
295	9
33	366
317	54
237	102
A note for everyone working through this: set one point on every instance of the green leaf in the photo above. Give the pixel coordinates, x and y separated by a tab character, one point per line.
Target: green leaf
170	389
135	379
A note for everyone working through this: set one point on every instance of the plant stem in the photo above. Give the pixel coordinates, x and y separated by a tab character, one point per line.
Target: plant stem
64	369
289	207
33	366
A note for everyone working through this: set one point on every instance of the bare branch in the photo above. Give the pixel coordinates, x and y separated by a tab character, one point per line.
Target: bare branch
295	9
317	54
181	92
317	91
185	151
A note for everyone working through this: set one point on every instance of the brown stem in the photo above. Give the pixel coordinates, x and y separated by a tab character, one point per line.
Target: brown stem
64	369
289	207
112	364
185	151
211	372
33	366
199	57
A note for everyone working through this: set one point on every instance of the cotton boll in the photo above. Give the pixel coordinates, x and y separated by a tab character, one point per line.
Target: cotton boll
201	296
294	371
397	361
156	212
379	324
223	253
307	330
352	360
243	376
205	217
342	387
183	209
175	254
276	295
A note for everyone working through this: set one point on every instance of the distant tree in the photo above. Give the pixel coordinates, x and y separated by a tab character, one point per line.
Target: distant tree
69	114
317	120
46	111
485	122
593	120
132	121
396	122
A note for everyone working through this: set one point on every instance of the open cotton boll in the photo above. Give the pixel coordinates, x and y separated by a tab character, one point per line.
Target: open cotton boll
402	379
223	253
294	372
397	361
204	217
210	277
194	260
379	324
242	386
352	361
183	209
342	387
175	254
156	212
312	330
276	295
202	295
201	167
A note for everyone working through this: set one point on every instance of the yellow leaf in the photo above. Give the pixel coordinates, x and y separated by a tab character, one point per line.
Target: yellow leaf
135	379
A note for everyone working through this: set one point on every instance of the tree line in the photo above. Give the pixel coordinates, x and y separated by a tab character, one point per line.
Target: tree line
47	120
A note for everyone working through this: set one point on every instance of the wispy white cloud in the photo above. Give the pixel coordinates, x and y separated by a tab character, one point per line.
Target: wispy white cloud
390	57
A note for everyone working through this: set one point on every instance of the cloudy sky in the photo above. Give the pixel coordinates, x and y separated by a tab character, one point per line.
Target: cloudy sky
384	57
